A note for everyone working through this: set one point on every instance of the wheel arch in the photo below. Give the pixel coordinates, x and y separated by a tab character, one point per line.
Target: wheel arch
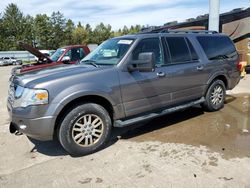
218	76
97	99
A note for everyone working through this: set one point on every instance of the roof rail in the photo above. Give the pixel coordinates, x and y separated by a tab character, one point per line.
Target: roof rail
190	31
165	30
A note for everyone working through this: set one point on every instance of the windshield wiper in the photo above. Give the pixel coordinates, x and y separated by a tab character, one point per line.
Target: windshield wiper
89	61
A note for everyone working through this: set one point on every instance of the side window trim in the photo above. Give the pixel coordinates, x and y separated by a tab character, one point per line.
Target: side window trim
166	51
190	54
162	54
189	43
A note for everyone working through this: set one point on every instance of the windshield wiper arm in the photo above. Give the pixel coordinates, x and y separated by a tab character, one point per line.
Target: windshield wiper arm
92	62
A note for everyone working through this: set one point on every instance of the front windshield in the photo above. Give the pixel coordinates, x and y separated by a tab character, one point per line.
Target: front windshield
109	52
57	54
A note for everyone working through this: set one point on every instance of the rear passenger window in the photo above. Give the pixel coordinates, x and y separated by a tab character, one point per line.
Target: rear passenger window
217	47
178	49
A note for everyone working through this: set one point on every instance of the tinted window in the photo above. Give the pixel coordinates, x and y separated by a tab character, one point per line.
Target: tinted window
178	49
149	45
217	47
76	54
192	51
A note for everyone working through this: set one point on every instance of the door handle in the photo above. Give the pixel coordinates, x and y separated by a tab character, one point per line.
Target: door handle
200	68
161	74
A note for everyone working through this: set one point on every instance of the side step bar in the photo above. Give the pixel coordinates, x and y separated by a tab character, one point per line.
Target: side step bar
121	123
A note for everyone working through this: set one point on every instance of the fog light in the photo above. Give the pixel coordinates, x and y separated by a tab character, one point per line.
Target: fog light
23	127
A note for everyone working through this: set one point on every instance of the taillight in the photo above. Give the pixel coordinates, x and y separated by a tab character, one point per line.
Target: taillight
239	65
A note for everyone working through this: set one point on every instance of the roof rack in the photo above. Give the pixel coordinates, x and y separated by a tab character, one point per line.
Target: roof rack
190	31
155	29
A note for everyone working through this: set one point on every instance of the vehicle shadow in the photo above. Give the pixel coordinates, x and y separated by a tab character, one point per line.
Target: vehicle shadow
158	123
50	148
230	98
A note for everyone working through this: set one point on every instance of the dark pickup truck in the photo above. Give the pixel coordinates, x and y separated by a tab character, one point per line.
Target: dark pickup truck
124	81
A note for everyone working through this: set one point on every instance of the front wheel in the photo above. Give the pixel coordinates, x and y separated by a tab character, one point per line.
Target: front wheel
215	96
85	129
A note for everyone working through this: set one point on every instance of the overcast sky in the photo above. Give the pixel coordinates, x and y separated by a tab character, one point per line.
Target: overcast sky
118	13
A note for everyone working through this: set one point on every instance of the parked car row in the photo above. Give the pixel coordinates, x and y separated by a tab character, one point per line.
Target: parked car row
4	61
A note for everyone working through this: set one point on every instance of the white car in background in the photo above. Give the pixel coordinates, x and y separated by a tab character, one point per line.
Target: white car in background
1	61
10	61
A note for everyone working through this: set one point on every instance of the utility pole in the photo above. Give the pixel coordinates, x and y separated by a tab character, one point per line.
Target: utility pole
214	15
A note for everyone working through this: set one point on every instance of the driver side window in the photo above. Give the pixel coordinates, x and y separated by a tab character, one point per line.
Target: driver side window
149	45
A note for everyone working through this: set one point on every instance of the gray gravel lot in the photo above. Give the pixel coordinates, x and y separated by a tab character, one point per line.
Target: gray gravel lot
185	149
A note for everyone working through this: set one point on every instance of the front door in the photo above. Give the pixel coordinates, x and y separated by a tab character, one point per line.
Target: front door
145	91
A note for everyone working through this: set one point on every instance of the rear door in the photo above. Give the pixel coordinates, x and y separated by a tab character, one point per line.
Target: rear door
186	70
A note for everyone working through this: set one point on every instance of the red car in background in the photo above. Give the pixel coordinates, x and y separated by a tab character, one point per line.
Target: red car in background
65	55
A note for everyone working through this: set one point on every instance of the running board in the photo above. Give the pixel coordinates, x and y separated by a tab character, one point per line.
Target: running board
121	123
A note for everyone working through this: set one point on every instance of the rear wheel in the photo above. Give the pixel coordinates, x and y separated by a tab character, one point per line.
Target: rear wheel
85	129
215	96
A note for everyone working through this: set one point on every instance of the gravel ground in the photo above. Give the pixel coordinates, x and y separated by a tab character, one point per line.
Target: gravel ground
184	149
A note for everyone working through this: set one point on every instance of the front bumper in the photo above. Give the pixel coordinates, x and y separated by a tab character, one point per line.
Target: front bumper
41	128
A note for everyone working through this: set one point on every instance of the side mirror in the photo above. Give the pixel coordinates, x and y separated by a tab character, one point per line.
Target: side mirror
145	63
66	59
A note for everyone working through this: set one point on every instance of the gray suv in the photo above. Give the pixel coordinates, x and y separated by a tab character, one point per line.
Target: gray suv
124	81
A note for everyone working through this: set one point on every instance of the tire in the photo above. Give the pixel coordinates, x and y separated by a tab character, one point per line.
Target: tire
215	96
89	122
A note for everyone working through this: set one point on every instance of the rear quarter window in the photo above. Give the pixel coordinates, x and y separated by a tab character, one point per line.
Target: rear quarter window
218	47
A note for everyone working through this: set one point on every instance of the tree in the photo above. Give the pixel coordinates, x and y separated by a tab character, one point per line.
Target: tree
80	34
101	33
51	32
134	29
89	31
125	30
12	22
69	32
2	33
43	31
58	23
28	29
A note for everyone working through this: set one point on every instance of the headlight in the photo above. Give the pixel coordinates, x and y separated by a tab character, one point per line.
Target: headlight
25	97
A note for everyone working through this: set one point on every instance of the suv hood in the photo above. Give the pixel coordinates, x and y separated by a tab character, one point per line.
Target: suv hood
34	51
35	77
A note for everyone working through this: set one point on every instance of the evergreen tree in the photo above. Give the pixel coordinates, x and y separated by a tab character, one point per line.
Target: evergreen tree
43	32
69	32
101	33
79	34
58	23
51	32
12	23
